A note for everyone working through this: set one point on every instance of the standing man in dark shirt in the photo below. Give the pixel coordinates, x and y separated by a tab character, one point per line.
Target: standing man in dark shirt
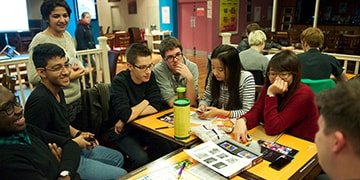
25	150
314	64
135	93
84	36
46	109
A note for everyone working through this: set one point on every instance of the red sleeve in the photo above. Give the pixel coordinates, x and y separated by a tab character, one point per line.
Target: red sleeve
256	115
295	111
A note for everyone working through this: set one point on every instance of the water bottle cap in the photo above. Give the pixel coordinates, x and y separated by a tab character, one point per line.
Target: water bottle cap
181	89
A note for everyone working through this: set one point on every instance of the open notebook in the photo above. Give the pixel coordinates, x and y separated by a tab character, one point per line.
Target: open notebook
226	156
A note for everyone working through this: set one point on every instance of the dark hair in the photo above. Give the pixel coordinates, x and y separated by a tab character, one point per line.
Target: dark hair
42	53
285	61
84	14
49	5
169	43
252	27
229	56
340	110
135	50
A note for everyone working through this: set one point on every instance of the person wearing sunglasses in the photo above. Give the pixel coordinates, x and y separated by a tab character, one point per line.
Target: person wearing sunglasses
284	105
135	93
176	71
29	152
46	109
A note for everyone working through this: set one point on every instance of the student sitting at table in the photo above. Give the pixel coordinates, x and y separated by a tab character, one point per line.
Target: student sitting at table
230	91
338	138
176	71
314	64
135	93
284	104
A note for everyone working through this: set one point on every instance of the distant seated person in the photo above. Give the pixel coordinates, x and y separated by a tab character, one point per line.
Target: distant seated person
338	138
176	71
314	64
28	152
244	43
228	93
252	58
284	105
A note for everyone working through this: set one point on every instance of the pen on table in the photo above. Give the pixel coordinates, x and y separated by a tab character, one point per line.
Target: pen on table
181	169
163	127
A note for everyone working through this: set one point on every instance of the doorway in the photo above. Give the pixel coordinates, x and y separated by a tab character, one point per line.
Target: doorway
193	33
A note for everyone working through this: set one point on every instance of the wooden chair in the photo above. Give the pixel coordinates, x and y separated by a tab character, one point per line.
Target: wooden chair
9	82
121	44
331	42
135	36
350	44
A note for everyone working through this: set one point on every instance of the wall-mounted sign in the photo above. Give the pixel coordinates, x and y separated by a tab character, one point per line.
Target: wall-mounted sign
229	16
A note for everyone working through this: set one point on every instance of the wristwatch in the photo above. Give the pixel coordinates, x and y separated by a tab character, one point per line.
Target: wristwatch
64	173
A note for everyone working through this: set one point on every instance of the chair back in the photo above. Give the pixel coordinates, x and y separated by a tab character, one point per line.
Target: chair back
9	82
113	58
258	76
350	44
319	85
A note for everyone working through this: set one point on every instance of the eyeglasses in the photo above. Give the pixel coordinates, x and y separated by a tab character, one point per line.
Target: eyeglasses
178	55
282	75
9	107
144	67
59	68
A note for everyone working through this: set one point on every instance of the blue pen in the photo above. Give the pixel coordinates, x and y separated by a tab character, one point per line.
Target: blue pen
181	169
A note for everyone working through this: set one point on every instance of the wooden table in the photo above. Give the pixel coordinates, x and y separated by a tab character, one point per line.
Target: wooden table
150	123
303	164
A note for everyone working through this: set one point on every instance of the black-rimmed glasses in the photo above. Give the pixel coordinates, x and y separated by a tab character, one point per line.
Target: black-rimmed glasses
178	55
144	67
9	107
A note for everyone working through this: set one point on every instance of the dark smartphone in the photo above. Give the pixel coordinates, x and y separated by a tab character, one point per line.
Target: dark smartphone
90	139
278	148
280	162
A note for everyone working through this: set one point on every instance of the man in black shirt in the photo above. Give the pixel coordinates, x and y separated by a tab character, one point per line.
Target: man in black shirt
24	149
135	93
46	108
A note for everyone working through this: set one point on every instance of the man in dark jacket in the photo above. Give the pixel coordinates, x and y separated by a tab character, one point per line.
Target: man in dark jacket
83	34
28	152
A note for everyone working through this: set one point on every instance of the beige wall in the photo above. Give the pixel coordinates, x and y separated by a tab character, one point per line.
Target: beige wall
147	13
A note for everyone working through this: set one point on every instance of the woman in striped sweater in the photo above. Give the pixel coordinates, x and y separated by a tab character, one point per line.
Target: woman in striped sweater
230	91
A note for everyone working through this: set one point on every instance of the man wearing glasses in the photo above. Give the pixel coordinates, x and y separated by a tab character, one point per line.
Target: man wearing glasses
46	108
134	93
176	71
28	152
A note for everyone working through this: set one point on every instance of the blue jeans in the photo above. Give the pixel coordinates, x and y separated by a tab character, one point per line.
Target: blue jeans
101	163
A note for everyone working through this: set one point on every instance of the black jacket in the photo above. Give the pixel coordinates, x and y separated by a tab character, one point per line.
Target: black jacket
84	37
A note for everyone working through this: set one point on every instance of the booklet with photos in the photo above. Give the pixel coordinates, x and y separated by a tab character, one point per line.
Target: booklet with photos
226	156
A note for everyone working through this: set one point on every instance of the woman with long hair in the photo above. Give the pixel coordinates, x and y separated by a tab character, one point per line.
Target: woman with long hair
230	91
284	104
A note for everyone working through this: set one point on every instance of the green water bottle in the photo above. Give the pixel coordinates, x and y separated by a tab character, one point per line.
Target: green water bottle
181	92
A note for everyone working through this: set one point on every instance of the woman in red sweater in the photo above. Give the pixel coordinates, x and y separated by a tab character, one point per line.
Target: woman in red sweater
284	104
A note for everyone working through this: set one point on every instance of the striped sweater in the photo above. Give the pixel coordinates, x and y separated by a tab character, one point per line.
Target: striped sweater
246	92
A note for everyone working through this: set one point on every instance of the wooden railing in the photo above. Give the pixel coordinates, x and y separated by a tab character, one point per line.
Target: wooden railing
99	55
341	57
